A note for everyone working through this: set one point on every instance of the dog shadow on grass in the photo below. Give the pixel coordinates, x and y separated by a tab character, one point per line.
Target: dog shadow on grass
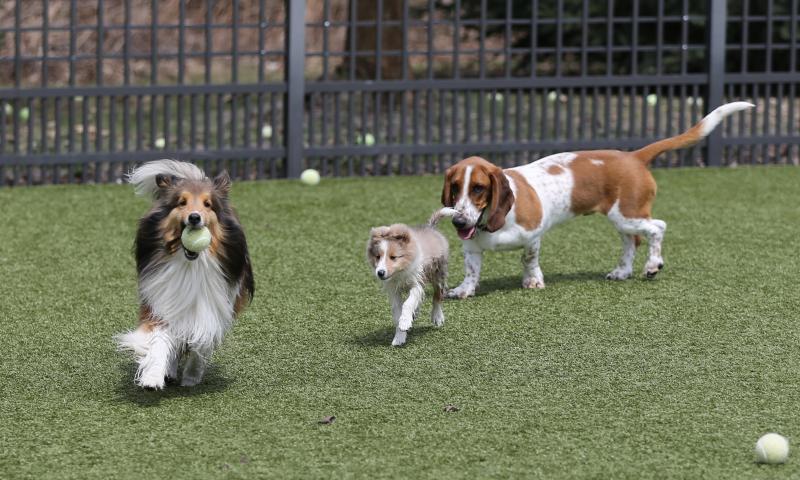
383	336
514	282
128	392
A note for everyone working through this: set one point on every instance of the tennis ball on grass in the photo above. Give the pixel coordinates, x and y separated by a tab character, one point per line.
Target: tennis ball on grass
772	448
24	113
652	99
196	239
309	177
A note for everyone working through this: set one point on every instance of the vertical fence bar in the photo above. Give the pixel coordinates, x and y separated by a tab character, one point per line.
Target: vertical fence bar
295	83
717	18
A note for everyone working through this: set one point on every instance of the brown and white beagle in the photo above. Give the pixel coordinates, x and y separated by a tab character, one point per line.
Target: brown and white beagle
507	209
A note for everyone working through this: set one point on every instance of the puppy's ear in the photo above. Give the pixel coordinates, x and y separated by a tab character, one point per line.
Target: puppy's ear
378	232
222	183
501	202
400	233
447	198
165	181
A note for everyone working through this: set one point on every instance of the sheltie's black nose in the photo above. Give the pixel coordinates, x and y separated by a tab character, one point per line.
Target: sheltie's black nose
194	218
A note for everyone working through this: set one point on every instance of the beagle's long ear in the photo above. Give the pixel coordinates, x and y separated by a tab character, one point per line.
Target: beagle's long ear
447	197
501	202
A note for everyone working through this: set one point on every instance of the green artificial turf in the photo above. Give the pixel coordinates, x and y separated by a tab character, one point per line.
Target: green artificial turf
671	378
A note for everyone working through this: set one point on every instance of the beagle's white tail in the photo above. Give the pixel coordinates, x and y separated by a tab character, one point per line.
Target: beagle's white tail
143	178
694	134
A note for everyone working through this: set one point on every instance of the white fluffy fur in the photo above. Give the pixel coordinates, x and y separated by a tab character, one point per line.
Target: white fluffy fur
194	298
143	178
197	305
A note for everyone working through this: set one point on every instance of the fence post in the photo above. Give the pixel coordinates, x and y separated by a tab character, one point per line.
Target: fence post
717	20
295	86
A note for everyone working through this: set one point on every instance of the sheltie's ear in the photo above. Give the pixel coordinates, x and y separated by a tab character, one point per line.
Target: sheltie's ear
222	183
165	181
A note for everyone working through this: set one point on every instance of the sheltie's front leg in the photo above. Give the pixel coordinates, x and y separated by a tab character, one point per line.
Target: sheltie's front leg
155	365
195	367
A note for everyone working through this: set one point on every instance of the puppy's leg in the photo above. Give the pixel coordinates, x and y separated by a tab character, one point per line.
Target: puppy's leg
407	314
397	306
439	287
625	267
154	366
531	273
472	273
195	368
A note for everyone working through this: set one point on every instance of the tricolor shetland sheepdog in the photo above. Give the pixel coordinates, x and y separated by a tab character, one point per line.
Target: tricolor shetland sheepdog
188	300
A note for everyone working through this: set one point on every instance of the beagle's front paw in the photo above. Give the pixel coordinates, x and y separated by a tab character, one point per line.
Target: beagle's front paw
461	292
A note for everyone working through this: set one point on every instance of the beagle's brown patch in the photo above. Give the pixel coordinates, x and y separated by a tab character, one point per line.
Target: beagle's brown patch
527	207
603	177
555	170
479	182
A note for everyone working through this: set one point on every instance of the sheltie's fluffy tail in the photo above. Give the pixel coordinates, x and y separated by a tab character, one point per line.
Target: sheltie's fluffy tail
439	214
143	178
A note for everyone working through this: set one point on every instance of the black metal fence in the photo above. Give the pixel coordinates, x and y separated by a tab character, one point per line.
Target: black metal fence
357	87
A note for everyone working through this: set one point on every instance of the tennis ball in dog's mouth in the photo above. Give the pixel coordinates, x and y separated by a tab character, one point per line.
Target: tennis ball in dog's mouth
196	239
772	448
309	177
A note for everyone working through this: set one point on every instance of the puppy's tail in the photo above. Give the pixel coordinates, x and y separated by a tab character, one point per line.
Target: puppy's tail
143	178
439	214
693	135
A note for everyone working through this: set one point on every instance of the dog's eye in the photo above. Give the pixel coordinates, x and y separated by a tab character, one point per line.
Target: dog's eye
207	204
477	189
182	202
395	257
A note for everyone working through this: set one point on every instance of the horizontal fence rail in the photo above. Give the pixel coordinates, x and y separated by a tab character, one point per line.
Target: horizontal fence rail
266	89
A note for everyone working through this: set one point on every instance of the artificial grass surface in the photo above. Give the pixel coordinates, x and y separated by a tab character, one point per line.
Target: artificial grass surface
672	378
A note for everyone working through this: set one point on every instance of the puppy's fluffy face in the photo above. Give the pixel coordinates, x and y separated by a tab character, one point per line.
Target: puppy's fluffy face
390	250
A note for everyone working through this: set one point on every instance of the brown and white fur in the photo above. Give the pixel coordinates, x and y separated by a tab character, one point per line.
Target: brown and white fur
508	209
188	300
405	259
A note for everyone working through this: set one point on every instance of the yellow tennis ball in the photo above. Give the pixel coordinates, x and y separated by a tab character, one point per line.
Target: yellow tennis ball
772	448
196	239
309	177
